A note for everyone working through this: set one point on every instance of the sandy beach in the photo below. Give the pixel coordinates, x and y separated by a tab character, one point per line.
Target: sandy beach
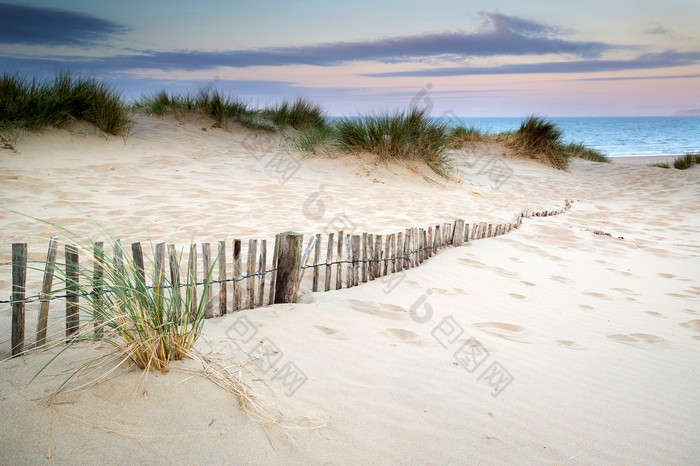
588	344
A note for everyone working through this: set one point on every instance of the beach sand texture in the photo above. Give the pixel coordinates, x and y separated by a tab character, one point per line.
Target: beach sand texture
564	346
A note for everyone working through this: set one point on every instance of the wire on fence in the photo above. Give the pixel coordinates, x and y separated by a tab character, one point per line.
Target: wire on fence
406	256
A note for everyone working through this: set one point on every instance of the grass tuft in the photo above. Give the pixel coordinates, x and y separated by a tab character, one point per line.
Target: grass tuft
580	150
300	114
407	135
540	140
682	162
34	105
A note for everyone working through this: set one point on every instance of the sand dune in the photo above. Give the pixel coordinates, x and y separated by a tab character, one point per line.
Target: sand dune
548	345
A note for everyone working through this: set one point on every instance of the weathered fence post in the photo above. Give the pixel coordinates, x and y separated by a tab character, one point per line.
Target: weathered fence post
355	244
261	271
329	261
288	265
273	277
192	279
72	280
98	255
339	268
317	256
45	290
19	283
458	233
206	266
223	284
137	255
250	283
237	296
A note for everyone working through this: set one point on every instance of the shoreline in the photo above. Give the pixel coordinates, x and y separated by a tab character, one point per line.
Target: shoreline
643	159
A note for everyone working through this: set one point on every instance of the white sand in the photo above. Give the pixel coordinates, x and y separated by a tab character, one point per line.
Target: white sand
600	334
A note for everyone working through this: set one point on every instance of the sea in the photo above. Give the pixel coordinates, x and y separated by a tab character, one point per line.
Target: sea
614	136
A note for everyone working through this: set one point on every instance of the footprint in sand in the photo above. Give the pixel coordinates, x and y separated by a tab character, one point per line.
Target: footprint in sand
527	283
666	275
596	295
656	314
387	311
586	307
516	296
641	340
510	332
571	345
331	332
559	278
692	324
402	335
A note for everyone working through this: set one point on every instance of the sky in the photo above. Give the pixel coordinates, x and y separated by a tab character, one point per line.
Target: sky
502	58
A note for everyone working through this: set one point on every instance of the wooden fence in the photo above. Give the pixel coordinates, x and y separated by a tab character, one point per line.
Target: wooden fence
349	260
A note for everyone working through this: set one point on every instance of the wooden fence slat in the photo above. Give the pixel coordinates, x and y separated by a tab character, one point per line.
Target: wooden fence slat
386	255
407	249
339	268
370	256
192	280
223	285
458	233
466	232
19	285
399	251
72	283
98	255
329	261
206	271
317	256
422	240
237	285
393	253
252	254
262	268
349	278
273	274
364	257
137	256
288	266
175	276
356	242
377	256
46	286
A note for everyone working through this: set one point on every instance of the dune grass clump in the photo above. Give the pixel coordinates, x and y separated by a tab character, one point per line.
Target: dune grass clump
300	114
34	105
147	321
463	135
580	150
682	162
406	135
540	140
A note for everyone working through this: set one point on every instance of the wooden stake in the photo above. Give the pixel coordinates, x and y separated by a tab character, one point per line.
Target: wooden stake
223	286
237	274
46	290
206	265
98	255
288	266
192	280
261	271
317	256
72	287
252	253
339	268
137	255
398	250
329	260
19	283
364	257
356	241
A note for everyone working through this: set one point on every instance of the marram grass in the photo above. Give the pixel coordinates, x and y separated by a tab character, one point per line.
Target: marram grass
35	105
145	319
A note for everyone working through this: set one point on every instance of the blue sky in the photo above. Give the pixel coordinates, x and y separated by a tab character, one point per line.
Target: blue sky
507	58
